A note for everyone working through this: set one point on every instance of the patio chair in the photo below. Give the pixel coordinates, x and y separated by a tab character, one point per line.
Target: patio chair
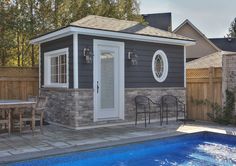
171	104
143	106
5	120
26	116
181	108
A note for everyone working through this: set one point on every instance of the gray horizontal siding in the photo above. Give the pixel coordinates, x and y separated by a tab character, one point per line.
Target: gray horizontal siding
65	42
139	76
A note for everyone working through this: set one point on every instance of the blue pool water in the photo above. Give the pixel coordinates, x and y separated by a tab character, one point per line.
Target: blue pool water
193	149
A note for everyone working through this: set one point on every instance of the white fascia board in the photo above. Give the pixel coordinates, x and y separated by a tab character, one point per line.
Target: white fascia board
127	36
110	34
52	36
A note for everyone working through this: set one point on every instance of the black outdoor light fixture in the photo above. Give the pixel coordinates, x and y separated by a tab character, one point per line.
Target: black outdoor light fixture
133	57
88	55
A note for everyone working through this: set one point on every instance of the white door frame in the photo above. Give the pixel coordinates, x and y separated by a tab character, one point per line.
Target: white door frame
121	75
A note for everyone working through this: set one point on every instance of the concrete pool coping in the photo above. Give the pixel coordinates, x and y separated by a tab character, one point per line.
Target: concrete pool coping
81	148
107	144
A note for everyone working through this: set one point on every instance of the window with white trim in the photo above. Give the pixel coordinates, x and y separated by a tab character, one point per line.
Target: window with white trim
160	66
56	68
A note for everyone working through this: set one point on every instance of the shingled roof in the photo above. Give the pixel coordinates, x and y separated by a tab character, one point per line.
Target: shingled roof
212	60
133	27
225	44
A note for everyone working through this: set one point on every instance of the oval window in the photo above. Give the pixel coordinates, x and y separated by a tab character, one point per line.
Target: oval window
160	66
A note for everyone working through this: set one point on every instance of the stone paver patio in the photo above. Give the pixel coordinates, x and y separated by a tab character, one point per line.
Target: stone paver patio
58	140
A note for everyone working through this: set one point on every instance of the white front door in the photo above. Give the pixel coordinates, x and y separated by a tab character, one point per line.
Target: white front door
108	80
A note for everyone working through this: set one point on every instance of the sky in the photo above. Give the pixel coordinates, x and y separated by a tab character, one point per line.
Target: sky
211	17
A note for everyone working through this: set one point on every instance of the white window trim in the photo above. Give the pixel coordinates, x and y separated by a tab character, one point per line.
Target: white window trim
166	66
47	68
39	67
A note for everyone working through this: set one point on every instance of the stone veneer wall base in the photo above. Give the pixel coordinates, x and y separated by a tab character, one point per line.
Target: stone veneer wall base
73	108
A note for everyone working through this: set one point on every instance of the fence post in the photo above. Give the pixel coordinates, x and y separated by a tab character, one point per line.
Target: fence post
211	85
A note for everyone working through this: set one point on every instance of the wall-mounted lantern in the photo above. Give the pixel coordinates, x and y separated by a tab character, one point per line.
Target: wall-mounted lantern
133	57
88	55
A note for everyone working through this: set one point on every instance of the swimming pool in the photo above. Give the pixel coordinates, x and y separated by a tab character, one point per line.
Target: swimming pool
203	148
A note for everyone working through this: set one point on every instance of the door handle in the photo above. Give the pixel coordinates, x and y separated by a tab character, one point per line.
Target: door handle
97	87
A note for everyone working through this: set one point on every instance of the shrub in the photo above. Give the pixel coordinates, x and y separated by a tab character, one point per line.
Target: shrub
221	115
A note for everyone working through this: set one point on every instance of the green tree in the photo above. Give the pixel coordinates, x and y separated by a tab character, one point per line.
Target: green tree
232	29
20	20
128	10
6	37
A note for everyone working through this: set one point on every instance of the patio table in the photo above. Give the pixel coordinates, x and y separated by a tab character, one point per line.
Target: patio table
12	105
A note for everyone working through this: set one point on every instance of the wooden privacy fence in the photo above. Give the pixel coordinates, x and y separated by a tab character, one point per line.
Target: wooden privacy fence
18	82
203	84
21	82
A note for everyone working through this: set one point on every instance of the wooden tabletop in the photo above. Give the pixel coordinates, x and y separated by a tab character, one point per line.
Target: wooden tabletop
16	103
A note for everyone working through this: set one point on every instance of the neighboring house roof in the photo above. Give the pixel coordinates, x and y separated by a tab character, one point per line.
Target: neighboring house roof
115	28
196	29
133	27
225	44
159	20
212	60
